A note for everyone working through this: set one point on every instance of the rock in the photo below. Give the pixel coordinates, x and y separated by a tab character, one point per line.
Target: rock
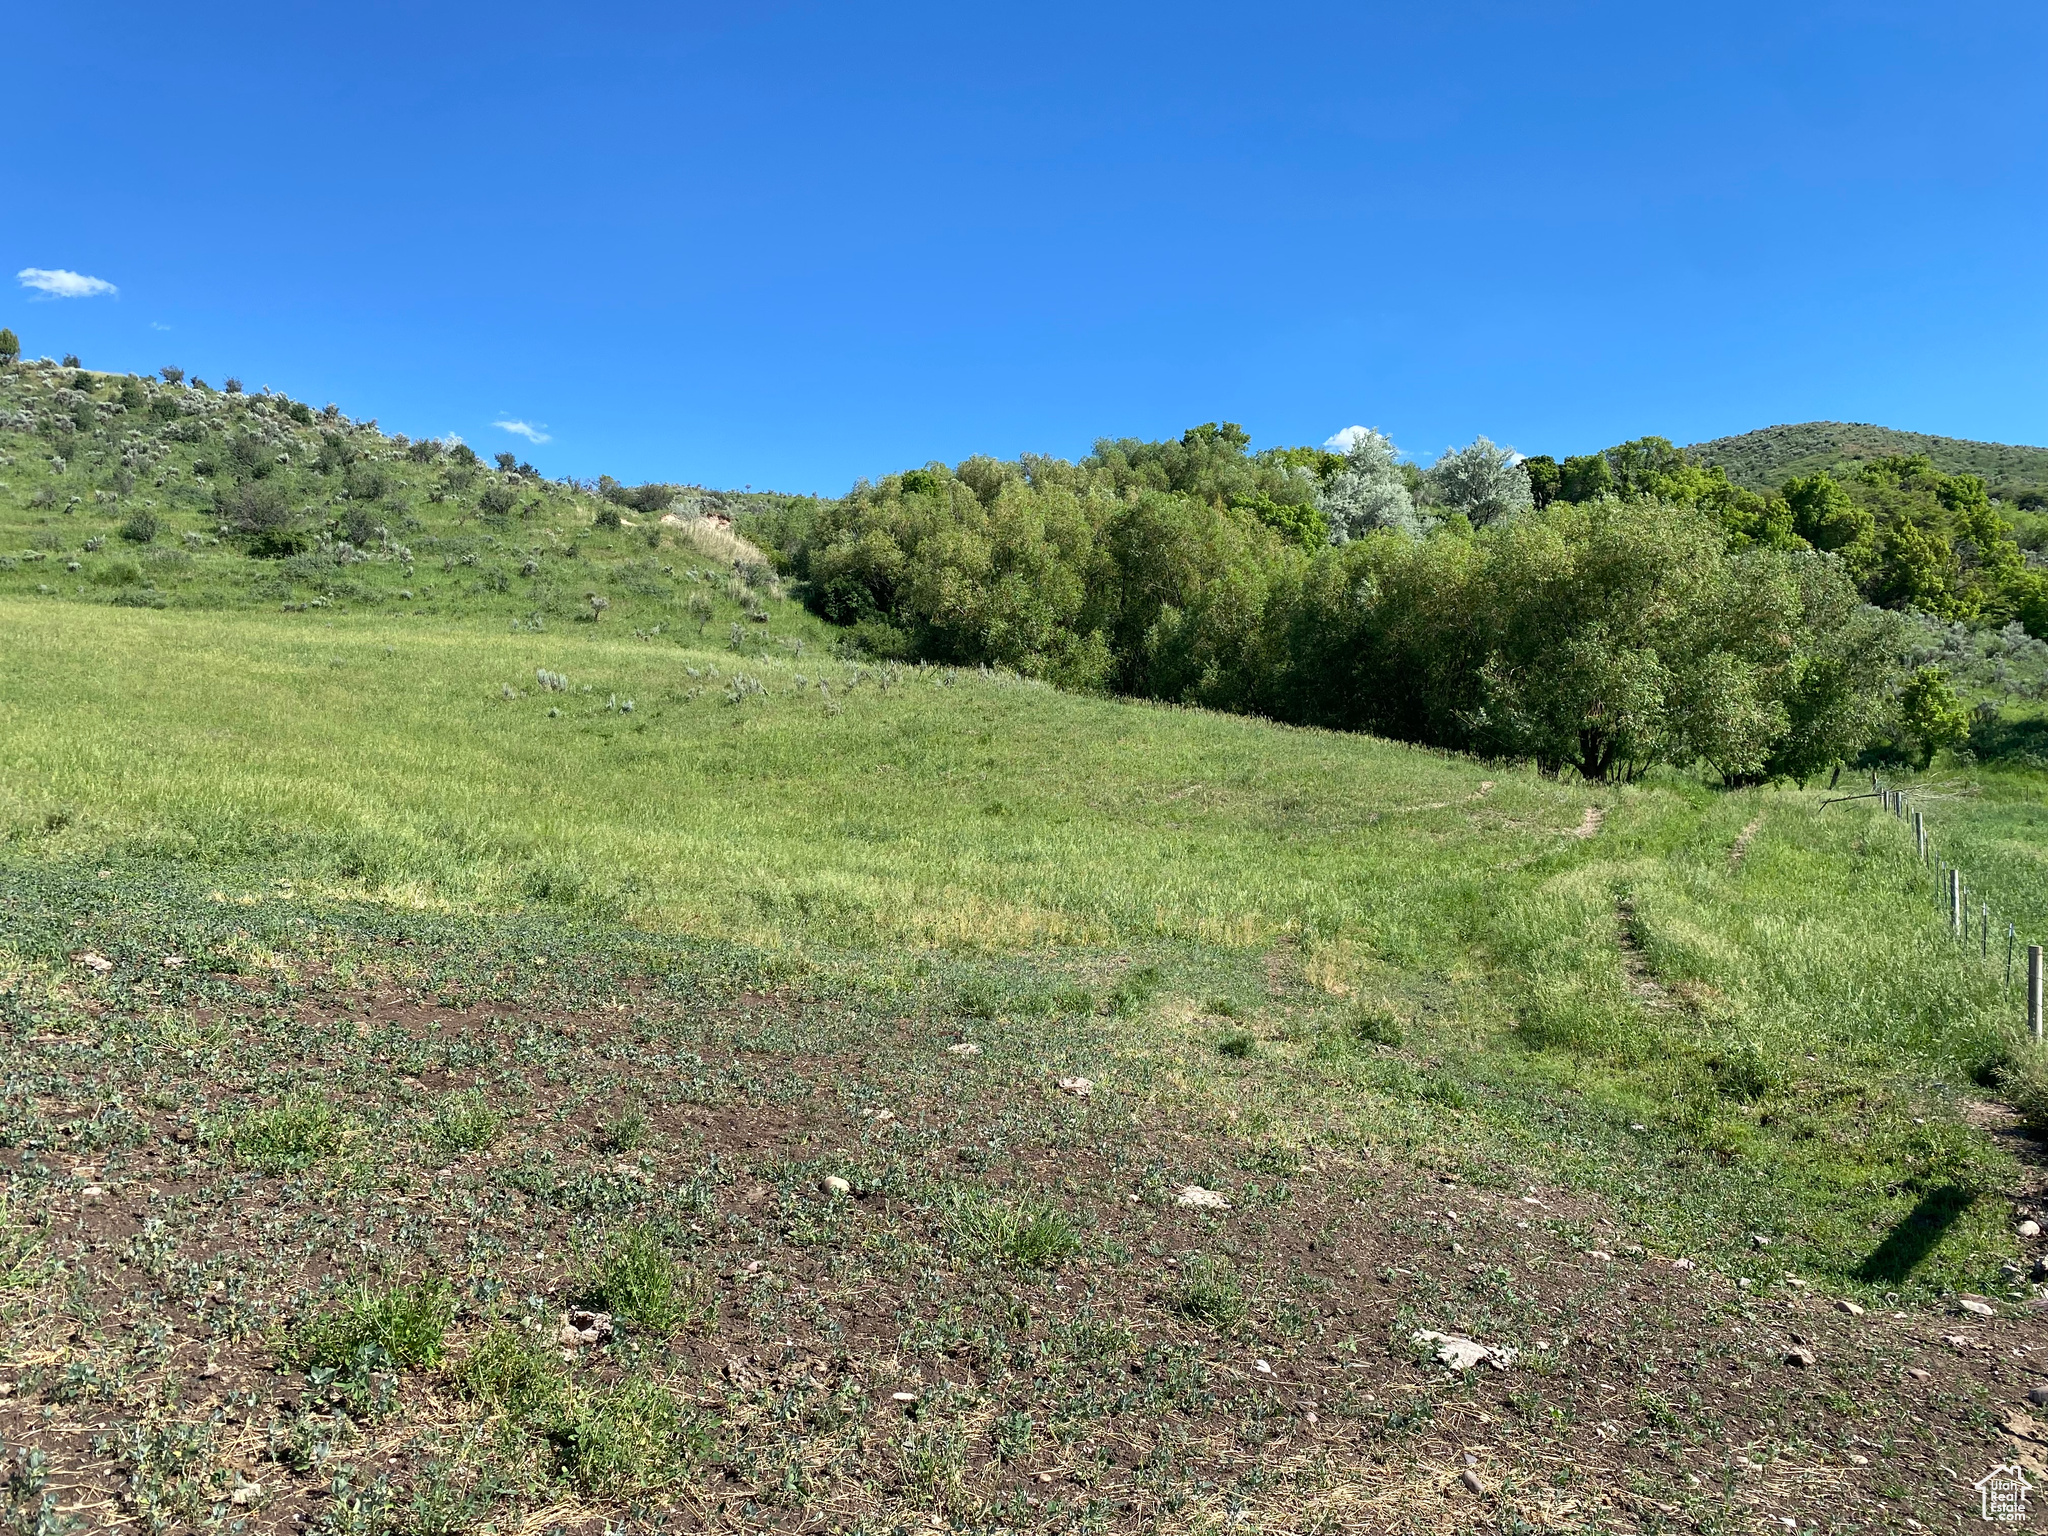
1796	1284
964	1048
1461	1354
1976	1308
1079	1087
580	1328
2038	1396
835	1185
1681	1264
1850	1307
1595	1253
93	961
1472	1483
178	963
247	1494
1263	1367
902	1397
2029	1228
1758	1240
1916	1373
1198	1198
1801	1357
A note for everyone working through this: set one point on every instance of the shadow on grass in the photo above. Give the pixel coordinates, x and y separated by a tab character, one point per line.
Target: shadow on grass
1916	1234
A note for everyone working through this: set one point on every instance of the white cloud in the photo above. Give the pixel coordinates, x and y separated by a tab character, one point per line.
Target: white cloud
526	429
158	325
1340	442
56	283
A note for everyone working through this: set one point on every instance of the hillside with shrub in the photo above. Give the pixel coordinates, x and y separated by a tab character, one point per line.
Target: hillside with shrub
1765	459
167	493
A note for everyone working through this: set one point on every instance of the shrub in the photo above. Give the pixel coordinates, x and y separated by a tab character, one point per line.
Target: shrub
139	528
632	1438
498	499
1237	1045
635	1437
402	1326
258	511
172	373
133	396
607	517
1134	991
287	1136
1028	1235
463	1122
10	347
232	385
513	1371
1209	1292
1375	1024
624	1132
71	360
638	1281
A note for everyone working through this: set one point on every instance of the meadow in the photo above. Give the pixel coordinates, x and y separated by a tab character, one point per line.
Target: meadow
380	992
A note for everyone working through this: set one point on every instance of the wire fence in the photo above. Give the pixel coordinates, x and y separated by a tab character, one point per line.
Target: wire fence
1954	898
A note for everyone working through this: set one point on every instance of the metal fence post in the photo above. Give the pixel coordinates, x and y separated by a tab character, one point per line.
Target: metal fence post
1955	902
1920	834
2011	939
2034	990
1984	930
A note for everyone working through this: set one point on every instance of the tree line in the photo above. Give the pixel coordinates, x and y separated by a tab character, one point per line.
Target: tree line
1603	614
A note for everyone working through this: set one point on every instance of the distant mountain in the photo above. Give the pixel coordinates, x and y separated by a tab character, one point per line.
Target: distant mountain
1763	460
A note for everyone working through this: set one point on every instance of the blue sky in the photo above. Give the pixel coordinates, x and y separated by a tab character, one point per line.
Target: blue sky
790	244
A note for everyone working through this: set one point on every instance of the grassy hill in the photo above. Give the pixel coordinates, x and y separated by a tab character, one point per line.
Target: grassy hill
1763	460
142	494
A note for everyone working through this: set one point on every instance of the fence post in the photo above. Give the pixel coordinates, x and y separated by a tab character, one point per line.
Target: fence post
1920	834
1955	902
1984	930
2034	990
2011	939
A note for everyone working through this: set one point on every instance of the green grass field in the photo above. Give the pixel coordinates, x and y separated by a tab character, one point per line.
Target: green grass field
435	915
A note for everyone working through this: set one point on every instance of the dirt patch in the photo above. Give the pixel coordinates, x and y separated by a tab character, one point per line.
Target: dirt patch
1590	823
1640	976
1740	848
877	1355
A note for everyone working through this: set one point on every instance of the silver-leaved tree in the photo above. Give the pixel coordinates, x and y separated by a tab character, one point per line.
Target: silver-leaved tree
1485	482
1368	493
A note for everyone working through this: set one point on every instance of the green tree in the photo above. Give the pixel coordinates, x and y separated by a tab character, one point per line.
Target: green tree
1930	715
1824	515
1545	479
10	346
1584	477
